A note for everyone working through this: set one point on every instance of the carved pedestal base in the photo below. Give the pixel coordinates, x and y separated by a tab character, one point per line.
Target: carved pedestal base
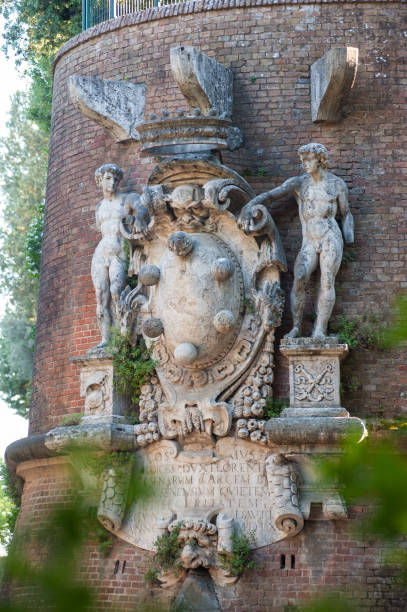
314	372
102	402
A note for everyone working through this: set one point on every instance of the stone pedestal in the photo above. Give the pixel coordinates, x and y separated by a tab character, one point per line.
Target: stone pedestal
314	371
315	423
102	402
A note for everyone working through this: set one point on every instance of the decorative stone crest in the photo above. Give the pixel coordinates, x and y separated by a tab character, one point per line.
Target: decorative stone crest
208	259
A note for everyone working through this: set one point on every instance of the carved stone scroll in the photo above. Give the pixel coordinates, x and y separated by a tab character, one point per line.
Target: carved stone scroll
112	503
332	77
283	481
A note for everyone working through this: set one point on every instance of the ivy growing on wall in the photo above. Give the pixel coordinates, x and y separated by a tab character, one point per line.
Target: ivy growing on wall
131	364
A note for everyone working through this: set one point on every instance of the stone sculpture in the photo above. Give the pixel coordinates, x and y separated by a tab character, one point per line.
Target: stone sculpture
208	259
319	195
109	269
108	266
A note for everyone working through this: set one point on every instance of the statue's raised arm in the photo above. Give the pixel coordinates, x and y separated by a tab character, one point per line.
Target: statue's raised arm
319	194
247	215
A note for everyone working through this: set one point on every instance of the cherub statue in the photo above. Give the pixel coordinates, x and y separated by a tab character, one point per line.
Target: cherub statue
319	195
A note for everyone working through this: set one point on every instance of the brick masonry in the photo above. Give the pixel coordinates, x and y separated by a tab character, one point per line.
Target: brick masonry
269	46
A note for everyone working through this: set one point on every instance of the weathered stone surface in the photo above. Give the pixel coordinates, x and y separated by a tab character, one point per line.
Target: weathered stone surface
109	268
118	106
197	594
187	135
314	375
103	435
102	402
205	83
312	430
228	478
320	196
332	77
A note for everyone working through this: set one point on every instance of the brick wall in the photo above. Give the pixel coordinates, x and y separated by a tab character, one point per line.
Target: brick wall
269	46
325	555
270	49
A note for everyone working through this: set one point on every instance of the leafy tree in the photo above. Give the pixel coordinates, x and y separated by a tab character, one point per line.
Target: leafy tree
23	163
35	30
9	506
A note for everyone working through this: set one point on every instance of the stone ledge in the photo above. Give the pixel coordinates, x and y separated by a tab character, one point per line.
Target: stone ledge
184	8
313	430
328	346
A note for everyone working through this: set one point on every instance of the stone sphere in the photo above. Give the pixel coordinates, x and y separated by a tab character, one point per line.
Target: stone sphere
149	275
180	243
153	328
185	353
222	269
224	321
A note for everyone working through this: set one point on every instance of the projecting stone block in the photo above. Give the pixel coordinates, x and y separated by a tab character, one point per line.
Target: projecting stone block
332	77
115	105
102	401
204	82
314	376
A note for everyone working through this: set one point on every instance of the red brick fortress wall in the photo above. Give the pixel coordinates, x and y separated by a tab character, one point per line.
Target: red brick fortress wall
270	46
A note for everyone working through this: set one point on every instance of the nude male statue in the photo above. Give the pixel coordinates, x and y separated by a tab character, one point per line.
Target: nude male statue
109	266
319	194
108	261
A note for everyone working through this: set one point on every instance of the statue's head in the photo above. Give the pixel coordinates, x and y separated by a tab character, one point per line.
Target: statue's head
313	152
108	177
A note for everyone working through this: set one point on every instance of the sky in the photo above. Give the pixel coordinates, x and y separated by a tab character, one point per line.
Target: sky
12	426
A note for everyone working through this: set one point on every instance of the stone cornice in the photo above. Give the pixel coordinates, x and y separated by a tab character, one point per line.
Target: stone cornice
184	8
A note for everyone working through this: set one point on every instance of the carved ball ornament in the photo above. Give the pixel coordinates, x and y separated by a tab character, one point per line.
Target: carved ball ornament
222	269
185	353
224	321
180	243
153	327
149	275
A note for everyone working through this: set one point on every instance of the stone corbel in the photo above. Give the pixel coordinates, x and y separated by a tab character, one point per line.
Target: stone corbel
117	106
204	82
207	87
332	77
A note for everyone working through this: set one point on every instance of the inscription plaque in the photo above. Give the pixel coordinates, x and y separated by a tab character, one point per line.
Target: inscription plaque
232	481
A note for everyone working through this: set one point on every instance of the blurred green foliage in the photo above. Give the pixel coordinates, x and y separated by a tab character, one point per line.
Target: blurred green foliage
61	539
35	30
10	502
131	364
23	162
